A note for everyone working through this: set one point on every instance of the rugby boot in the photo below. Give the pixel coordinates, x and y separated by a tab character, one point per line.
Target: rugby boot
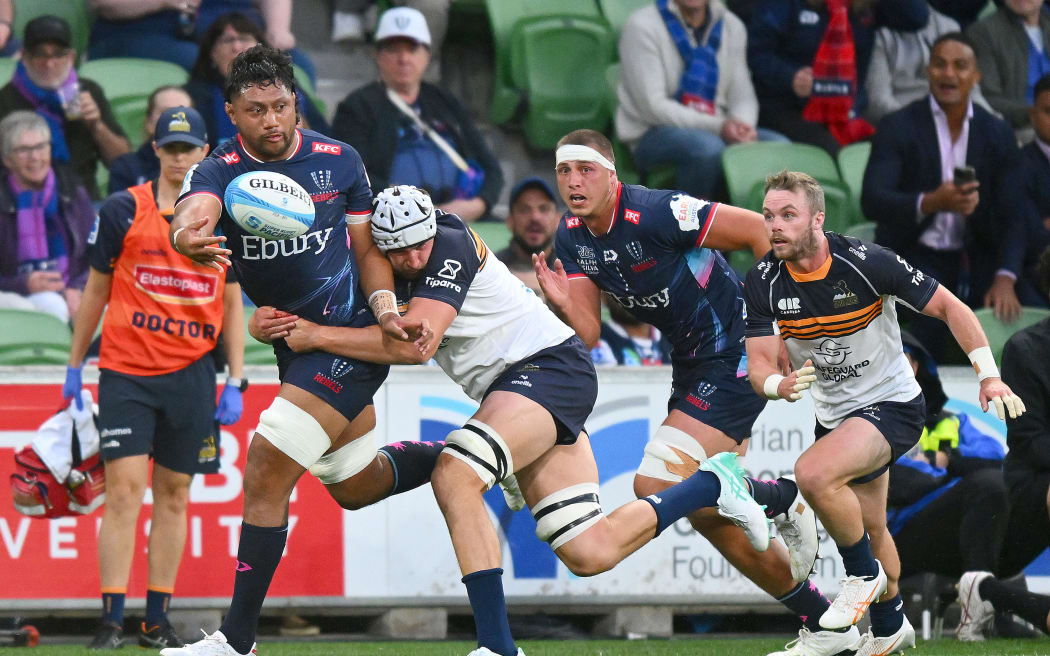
211	645
798	528
485	651
159	636
856	593
870	645
108	636
735	502
976	612
821	643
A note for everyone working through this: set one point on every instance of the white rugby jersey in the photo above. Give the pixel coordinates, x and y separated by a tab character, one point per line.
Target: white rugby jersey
500	320
842	317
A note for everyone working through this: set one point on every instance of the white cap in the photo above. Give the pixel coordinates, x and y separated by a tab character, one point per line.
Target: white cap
404	22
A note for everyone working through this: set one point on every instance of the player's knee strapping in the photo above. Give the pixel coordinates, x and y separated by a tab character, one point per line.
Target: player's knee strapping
563	515
483	449
294	432
345	461
660	458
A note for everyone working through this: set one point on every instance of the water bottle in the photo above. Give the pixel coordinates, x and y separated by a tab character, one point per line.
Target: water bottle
187	27
69	94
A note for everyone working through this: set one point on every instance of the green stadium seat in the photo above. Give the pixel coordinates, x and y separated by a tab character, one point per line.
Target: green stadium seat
495	234
988	10
561	98
7	68
864	231
131	115
998	332
75	12
853	159
124	78
28	337
617	12
255	352
625	169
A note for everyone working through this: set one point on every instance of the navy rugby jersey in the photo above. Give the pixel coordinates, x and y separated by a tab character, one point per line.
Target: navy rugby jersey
843	317
313	275
653	261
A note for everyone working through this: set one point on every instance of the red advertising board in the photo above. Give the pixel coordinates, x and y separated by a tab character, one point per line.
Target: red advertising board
57	559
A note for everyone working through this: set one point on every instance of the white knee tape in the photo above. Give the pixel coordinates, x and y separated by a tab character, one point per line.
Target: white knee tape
345	461
563	515
483	449
658	453
294	432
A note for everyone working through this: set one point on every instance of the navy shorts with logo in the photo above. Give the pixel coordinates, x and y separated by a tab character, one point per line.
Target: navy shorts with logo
171	416
900	422
560	378
346	384
719	394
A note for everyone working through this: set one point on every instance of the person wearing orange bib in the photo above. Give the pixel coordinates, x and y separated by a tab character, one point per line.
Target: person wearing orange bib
156	375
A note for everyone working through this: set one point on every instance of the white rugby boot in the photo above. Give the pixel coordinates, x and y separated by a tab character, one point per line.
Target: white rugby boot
512	493
485	651
211	645
854	597
798	528
735	502
821	643
895	644
976	612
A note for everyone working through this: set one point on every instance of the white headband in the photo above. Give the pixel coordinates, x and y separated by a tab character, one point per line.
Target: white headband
577	153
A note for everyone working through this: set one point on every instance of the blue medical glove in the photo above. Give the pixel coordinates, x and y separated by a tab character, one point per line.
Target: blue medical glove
71	388
230	406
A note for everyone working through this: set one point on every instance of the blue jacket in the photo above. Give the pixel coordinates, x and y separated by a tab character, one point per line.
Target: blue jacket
785	34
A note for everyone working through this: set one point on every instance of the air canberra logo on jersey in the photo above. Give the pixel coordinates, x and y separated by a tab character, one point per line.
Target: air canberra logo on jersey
843	296
789	305
174	286
659	299
323	181
257	248
341	367
280	187
686	209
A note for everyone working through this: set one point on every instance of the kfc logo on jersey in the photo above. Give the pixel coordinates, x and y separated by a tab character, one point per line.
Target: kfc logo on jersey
686	209
789	305
450	269
231	158
572	222
633	216
331	149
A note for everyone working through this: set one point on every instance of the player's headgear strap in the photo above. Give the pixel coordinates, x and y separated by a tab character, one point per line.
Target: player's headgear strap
578	153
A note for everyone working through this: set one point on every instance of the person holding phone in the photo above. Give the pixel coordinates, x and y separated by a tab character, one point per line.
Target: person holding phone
943	182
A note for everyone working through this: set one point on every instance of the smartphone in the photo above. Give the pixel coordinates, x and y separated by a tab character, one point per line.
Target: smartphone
965	175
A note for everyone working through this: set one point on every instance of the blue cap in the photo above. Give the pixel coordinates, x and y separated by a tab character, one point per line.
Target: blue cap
532	183
180	125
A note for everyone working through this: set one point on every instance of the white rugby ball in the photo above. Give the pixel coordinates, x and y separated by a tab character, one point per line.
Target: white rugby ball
269	205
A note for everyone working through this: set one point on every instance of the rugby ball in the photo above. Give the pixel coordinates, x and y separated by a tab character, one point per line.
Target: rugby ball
269	205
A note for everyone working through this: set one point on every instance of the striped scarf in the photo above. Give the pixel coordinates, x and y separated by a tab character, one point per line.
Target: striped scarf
700	78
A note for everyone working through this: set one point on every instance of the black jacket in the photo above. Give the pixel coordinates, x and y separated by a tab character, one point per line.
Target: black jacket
368	121
1025	369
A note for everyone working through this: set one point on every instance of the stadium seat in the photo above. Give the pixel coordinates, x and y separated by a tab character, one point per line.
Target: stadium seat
617	12
853	159
28	337
131	115
625	169
494	233
124	78
255	352
7	68
561	98
75	12
864	231
998	332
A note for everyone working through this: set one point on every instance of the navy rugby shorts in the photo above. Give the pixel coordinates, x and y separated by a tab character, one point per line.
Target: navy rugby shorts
718	393
346	384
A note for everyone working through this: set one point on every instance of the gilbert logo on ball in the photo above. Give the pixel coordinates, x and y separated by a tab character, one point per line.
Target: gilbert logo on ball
269	205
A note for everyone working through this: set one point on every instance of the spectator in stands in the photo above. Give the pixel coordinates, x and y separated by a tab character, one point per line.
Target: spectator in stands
685	91
46	218
627	341
156	381
9	43
83	127
532	221
351	19
807	77
228	36
142	165
413	132
963	12
949	488
1036	164
170	29
897	72
1011	47
940	226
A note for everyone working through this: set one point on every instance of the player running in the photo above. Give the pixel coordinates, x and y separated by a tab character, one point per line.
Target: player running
325	401
536	385
655	252
832	300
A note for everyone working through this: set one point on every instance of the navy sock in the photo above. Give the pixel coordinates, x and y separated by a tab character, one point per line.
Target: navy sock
777	496
887	616
258	554
1029	606
412	463
113	608
485	591
157	602
698	491
857	559
806	601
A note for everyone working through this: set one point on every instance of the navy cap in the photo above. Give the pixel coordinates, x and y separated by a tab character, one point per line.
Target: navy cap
180	125
531	183
46	29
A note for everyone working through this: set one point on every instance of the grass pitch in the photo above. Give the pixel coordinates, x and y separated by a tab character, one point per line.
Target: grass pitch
674	647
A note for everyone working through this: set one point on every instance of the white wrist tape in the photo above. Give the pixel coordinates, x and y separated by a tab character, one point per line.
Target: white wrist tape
577	153
382	301
769	388
983	363
175	240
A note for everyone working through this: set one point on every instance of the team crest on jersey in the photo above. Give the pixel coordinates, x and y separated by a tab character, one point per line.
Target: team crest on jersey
231	158
341	368
572	222
686	209
843	296
789	305
323	182
634	248
633	216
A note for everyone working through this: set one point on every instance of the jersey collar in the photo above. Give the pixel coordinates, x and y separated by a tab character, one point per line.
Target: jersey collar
615	211
819	274
298	145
